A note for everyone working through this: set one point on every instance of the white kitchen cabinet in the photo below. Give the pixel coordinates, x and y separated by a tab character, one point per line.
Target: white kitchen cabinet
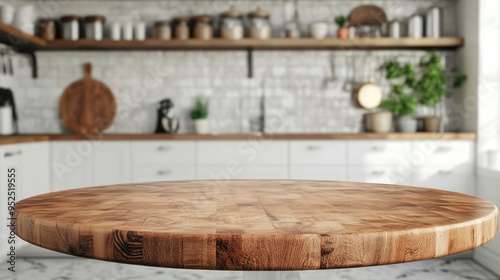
443	152
153	173
318	152
111	163
234	171
163	152
380	174
448	178
247	152
367	152
33	178
318	172
71	164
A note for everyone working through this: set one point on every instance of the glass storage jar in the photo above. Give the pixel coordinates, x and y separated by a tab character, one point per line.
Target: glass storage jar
70	27
163	31
259	24
94	26
181	29
232	24
203	27
47	28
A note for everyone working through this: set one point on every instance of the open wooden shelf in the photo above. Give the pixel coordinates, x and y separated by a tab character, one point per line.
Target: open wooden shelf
271	44
19	40
23	42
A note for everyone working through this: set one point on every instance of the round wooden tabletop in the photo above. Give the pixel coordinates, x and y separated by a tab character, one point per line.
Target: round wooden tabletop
257	224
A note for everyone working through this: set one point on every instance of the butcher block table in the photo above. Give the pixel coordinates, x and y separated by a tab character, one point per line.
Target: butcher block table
278	226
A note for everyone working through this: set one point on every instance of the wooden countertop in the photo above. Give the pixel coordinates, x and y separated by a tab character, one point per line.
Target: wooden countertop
257	224
292	136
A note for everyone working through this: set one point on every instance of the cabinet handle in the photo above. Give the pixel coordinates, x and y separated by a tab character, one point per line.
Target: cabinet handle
11	154
443	149
164	148
378	172
313	148
164	172
444	172
378	148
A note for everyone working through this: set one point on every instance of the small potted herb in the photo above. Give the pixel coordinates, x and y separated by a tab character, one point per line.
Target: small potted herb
200	114
402	103
342	31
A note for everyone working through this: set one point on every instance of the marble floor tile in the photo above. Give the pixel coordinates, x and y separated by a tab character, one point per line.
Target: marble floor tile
84	269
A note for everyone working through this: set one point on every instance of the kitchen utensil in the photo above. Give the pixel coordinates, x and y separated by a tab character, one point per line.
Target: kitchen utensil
8	114
350	82
333	66
434	22
166	122
87	105
10	65
70	27
416	26
367	15
368	95
94	26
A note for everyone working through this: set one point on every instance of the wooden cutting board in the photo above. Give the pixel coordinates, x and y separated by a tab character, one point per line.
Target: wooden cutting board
87	105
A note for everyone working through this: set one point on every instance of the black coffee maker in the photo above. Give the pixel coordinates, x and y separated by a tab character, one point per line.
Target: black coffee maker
166	123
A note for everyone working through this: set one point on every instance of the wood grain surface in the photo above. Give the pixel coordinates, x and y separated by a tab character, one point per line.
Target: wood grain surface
87	105
257	224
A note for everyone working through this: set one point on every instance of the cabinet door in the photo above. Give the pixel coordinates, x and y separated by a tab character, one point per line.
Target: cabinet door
154	173
111	163
318	172
318	152
10	157
71	164
380	174
34	169
249	152
230	172
448	178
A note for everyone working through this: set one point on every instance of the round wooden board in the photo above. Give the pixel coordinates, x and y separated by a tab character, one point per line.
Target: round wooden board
257	224
367	15
87	105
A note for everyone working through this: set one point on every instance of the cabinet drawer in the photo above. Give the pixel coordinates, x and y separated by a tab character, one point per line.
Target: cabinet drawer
222	172
443	152
382	174
318	172
243	152
162	173
163	152
318	152
378	152
448	178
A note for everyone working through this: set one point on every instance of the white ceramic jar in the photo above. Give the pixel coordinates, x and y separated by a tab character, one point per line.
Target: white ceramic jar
140	31
115	31
128	31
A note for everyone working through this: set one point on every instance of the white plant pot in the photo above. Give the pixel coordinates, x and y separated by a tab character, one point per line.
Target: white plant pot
201	126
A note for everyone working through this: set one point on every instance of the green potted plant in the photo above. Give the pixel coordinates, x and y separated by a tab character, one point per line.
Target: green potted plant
402	103
432	89
200	114
342	31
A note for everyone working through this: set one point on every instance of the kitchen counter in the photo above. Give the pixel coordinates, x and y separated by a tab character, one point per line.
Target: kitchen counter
15	139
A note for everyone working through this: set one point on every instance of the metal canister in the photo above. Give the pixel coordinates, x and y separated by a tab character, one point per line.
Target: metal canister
416	26
394	29
434	22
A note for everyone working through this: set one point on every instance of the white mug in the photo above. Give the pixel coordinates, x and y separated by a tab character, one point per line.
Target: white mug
7	14
318	30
